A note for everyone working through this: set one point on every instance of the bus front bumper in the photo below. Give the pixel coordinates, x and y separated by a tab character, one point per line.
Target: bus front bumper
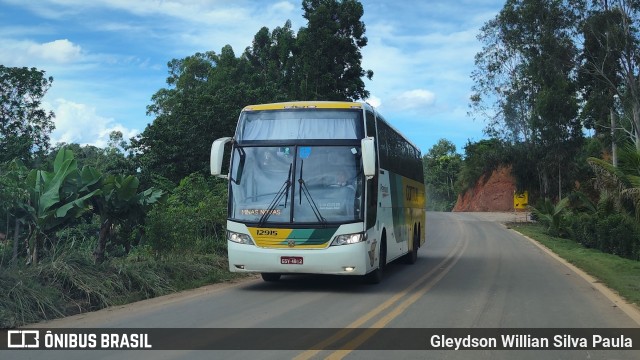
352	259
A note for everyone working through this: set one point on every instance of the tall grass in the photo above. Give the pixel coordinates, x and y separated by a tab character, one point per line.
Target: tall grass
25	299
71	283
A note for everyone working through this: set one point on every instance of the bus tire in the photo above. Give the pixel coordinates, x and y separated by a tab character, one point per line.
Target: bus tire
270	277
412	256
375	277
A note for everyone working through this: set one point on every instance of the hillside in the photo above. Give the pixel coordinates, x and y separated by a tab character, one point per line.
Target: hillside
494	194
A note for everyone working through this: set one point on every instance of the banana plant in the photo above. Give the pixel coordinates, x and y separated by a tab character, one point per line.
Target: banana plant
58	197
118	202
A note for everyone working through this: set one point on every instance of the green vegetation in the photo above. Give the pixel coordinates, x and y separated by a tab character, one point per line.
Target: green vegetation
441	167
537	88
192	219
621	275
551	215
70	282
481	158
24	125
82	228
208	90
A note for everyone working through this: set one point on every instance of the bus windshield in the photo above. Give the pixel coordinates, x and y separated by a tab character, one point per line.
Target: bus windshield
299	184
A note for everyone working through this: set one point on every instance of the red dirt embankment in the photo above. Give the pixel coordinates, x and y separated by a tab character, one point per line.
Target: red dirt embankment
496	194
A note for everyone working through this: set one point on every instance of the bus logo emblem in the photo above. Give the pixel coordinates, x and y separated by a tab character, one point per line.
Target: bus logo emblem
291	243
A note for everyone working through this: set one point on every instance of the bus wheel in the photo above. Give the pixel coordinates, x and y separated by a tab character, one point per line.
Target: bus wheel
375	276
412	256
270	277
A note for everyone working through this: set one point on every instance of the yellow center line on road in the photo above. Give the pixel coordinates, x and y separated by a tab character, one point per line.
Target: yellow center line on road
455	252
384	321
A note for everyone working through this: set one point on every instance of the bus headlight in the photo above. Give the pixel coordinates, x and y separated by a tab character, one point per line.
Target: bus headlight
239	238
348	239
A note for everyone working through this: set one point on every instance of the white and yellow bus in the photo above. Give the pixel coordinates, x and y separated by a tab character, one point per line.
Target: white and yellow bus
320	188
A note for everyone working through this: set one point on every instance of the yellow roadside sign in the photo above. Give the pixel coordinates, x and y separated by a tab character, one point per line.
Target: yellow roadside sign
520	200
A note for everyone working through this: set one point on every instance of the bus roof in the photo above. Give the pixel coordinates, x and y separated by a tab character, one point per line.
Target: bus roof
322	105
307	105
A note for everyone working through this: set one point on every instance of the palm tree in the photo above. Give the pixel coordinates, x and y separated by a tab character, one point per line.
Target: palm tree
622	181
550	214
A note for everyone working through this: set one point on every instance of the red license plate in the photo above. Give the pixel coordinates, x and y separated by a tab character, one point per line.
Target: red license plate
291	260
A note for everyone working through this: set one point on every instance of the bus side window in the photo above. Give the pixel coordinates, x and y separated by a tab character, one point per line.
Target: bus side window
372	185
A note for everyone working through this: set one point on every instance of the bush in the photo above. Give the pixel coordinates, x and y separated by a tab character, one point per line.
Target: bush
582	228
614	233
193	220
481	159
82	236
624	236
552	216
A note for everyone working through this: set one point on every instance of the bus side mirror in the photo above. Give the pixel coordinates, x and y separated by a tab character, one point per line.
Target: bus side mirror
368	157
217	153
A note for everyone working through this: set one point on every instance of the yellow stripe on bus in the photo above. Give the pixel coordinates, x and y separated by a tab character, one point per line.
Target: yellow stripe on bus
278	238
304	104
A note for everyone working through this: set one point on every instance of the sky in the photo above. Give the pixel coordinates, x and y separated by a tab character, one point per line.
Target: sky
108	57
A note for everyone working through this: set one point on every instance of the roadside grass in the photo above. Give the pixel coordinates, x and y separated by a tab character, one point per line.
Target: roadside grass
619	274
71	283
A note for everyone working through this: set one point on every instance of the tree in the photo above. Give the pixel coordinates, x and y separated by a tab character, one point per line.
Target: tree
441	166
612	61
14	199
110	160
24	125
528	65
272	57
599	75
207	90
330	59
480	160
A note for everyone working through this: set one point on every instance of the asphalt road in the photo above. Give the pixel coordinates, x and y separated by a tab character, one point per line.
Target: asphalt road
472	273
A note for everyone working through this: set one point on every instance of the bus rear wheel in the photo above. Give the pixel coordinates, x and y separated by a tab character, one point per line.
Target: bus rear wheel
270	277
412	256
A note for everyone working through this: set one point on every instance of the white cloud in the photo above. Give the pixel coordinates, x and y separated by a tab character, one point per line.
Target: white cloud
30	53
79	123
184	26
374	101
416	98
283	6
60	51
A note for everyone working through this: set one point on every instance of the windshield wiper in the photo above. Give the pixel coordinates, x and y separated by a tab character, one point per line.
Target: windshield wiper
304	190
276	200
